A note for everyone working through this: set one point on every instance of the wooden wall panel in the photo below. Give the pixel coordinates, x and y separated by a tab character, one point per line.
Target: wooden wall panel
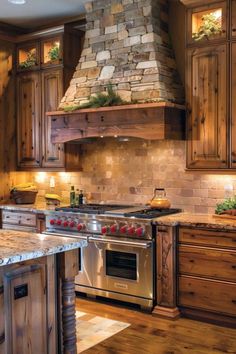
7	117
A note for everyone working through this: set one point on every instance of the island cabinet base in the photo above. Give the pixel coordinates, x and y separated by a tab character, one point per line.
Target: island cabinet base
37	305
28	308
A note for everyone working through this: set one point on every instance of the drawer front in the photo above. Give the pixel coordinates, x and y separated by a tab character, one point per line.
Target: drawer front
16	218
208	238
207	295
207	262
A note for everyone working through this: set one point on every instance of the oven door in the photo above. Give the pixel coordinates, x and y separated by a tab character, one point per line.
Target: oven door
124	266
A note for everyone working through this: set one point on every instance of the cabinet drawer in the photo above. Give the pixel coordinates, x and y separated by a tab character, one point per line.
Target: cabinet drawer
18	218
207	238
207	262
207	295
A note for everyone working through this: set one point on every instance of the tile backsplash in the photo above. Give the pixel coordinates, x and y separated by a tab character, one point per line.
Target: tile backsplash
128	172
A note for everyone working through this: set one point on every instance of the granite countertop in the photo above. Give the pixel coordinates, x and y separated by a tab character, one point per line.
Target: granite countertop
197	220
17	246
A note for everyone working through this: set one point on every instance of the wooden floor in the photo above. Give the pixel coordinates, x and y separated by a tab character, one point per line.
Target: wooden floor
152	335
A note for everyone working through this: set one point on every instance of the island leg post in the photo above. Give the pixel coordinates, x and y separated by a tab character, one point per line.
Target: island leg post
68	265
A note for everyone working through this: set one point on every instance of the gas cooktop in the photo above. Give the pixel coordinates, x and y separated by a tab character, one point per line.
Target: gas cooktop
150	213
119	210
93	208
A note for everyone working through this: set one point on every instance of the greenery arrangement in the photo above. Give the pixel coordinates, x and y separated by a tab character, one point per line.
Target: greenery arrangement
210	25
29	61
100	100
53	53
227	204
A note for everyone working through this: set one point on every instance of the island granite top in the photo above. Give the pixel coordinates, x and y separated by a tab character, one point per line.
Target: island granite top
18	246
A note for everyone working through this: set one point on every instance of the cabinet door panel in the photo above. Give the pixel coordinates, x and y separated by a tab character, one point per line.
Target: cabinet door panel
53	154
208	295
25	303
207	262
206	100
233	100
28	120
233	18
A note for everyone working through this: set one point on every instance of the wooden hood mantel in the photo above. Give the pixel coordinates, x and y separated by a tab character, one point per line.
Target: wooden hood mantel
147	121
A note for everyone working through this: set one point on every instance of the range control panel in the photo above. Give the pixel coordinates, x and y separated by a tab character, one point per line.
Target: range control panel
91	224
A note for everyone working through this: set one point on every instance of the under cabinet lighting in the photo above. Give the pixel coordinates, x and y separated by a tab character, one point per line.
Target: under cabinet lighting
17	2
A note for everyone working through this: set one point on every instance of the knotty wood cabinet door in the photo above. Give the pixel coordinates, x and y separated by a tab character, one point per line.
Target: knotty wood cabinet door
207	108
233	11
233	102
28	120
52	92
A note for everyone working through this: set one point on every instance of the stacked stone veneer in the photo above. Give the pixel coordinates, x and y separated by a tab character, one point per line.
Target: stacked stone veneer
126	44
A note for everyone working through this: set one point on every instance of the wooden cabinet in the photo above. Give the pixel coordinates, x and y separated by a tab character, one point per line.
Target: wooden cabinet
233	106
52	91
28	307
207	273
233	12
206	97
19	220
40	87
207	22
210	85
28	119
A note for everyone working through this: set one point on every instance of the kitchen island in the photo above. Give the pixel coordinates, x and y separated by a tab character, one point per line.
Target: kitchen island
37	298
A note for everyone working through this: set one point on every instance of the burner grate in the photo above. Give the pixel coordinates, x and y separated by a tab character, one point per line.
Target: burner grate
152	213
92	208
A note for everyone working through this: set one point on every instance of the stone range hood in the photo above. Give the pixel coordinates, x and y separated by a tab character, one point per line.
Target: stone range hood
126	45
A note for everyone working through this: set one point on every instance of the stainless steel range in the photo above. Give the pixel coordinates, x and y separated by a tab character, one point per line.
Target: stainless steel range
119	259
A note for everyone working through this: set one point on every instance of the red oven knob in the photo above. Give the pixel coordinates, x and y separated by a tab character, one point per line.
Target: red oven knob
123	229
52	222
104	230
113	228
131	230
139	231
65	223
72	224
80	227
58	222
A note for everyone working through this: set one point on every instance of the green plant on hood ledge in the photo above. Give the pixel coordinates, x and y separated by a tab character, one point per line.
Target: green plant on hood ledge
100	100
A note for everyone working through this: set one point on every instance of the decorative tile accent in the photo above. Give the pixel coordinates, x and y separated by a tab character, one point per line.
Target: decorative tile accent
92	329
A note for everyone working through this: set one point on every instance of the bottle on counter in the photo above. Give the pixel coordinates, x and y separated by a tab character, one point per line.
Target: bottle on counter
72	196
81	197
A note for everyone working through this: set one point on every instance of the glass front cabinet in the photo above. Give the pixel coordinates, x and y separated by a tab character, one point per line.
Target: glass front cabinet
206	23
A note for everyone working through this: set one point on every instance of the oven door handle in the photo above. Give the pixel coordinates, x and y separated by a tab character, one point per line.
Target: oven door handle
121	242
80	237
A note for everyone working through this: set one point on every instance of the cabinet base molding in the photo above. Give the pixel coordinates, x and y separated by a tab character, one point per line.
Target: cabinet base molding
169	312
205	316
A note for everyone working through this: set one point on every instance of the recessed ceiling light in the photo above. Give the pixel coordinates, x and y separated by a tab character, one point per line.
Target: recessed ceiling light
17	2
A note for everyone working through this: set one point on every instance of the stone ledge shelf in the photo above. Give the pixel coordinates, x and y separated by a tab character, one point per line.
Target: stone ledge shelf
147	121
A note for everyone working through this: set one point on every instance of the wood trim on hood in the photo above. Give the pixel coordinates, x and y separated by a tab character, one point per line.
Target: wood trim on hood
148	121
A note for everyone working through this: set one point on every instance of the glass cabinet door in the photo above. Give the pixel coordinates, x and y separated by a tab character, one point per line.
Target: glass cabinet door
51	51
207	23
27	56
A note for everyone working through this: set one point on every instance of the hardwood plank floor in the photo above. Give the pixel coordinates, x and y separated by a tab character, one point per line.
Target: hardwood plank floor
149	334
